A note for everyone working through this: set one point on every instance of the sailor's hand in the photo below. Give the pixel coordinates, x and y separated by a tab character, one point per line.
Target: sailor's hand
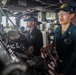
43	55
51	66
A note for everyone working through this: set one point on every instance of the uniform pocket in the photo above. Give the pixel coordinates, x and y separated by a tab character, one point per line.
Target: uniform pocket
67	41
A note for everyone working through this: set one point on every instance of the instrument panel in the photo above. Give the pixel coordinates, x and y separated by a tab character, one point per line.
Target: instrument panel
4	55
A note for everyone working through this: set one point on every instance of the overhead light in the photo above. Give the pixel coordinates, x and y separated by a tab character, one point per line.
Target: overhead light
15	13
4	2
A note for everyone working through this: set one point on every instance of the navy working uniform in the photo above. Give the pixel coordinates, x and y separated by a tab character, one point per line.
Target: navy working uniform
34	38
66	47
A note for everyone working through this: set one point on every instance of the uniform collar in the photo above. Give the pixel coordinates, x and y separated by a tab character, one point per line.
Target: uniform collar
68	31
33	31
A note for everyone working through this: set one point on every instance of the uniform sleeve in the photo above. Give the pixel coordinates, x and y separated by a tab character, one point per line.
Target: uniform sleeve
74	39
75	44
38	43
40	40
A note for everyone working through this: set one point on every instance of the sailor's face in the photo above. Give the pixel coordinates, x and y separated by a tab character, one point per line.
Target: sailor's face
29	24
64	17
